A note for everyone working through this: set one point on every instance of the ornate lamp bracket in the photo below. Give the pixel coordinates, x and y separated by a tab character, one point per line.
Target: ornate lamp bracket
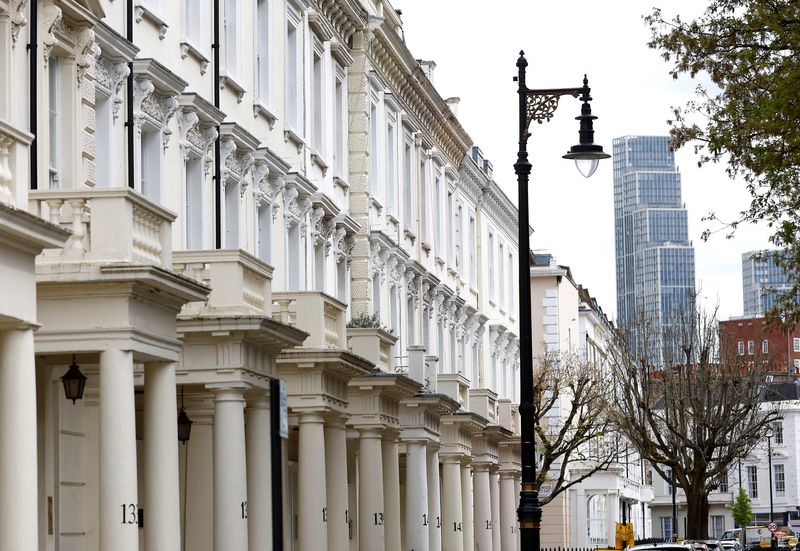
541	105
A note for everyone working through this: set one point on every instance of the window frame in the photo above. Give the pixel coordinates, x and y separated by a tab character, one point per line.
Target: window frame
54	123
779	469
293	87
264	51
751	474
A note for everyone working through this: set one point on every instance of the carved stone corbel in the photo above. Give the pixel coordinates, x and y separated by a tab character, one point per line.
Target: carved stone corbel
51	14
337	243
169	105
262	192
227	148
142	89
88	50
18	19
187	121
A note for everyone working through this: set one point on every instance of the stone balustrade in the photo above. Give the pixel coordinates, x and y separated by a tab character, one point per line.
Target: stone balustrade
318	314
240	283
108	226
11	139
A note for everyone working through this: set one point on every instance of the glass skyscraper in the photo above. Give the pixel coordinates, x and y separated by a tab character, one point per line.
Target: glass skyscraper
762	281
654	257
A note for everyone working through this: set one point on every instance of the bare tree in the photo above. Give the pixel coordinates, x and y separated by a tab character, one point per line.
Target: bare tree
688	405
570	420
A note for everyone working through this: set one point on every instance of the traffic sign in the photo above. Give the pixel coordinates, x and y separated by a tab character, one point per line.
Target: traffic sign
772	527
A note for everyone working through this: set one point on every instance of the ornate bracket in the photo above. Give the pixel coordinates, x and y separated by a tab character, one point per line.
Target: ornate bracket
541	105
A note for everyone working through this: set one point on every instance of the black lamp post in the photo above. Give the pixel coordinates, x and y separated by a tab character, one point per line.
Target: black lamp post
539	106
74	381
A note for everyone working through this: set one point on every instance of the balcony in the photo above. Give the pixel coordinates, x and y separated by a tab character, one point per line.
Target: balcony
108	226
241	284
376	345
318	314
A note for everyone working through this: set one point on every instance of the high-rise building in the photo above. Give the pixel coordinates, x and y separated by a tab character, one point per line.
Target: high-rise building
762	282
654	257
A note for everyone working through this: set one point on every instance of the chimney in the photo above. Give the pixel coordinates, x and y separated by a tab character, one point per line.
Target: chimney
452	103
427	68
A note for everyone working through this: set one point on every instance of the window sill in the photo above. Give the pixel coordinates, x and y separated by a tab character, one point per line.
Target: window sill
291	135
318	160
260	108
143	10
189	49
226	80
377	204
338	181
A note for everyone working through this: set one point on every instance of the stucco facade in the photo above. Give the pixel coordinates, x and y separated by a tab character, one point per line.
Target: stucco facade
199	198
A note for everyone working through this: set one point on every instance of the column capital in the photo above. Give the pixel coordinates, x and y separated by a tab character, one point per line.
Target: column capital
391	434
311	417
481	466
407	438
257	398
370	432
233	390
336	419
508	473
451	457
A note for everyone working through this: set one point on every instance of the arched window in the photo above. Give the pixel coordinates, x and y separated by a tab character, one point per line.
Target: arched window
598	525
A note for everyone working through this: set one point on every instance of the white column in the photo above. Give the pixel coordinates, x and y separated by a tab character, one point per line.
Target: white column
417	519
508	511
259	475
119	502
483	508
434	502
336	482
162	487
18	459
391	491
452	521
494	492
312	530
467	505
371	516
230	483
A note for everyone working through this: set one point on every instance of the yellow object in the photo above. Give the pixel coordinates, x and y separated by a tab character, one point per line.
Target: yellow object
624	535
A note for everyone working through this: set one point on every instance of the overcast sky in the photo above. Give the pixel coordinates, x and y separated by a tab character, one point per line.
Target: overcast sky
475	45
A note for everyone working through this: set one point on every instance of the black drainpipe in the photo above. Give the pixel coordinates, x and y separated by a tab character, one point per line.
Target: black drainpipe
129	85
33	49
217	168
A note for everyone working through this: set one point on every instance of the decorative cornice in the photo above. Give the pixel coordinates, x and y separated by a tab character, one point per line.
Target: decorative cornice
345	17
390	56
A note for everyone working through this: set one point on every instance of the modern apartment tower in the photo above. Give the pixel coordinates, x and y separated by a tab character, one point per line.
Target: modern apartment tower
762	282
654	257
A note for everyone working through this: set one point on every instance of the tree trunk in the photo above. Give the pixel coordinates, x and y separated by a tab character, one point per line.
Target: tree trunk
697	515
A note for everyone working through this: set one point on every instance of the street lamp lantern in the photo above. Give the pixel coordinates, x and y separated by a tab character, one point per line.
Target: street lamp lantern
586	153
539	106
74	382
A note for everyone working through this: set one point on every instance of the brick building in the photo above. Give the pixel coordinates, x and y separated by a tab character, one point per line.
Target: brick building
757	342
